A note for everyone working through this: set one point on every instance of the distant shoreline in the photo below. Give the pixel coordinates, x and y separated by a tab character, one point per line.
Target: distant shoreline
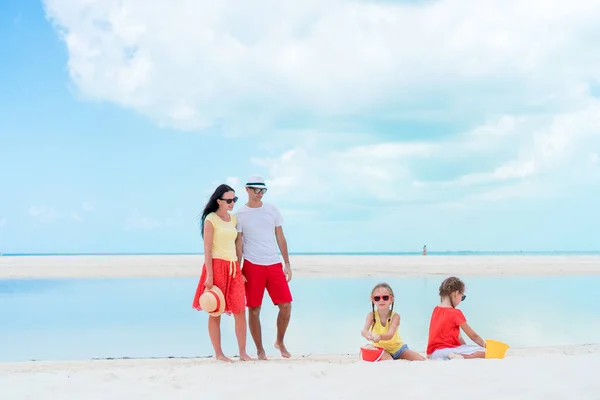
374	253
340	266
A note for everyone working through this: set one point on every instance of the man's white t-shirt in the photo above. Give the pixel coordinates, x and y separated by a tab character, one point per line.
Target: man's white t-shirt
257	225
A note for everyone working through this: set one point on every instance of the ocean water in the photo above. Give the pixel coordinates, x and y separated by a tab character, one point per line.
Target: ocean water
380	253
68	319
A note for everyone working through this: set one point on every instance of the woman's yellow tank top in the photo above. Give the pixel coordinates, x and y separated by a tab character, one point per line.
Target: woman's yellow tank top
223	245
392	345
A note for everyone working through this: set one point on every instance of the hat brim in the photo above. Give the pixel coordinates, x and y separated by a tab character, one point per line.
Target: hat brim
256	185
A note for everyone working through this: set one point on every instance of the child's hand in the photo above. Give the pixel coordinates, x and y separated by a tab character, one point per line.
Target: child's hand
375	338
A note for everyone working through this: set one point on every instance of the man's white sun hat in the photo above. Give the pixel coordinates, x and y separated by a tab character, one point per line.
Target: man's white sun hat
256	181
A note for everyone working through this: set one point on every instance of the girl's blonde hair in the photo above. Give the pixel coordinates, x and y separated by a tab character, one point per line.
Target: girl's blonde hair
386	286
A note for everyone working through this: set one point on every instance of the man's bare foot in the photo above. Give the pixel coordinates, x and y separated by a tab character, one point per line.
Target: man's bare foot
261	355
245	357
221	357
283	350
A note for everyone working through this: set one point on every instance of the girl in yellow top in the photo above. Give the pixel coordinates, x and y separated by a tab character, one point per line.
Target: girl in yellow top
385	334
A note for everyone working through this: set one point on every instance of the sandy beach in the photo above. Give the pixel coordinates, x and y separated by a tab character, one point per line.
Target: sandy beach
544	373
531	373
303	266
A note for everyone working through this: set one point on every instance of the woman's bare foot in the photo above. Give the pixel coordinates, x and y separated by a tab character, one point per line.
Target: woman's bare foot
222	357
245	357
283	350
261	355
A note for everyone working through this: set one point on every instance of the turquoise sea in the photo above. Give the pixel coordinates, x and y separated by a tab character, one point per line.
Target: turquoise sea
379	253
67	319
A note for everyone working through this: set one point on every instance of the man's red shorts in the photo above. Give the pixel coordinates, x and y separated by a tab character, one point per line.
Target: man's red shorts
261	277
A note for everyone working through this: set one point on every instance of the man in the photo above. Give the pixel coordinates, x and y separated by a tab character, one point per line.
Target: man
261	244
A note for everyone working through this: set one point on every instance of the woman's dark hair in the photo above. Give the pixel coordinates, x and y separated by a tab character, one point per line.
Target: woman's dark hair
212	205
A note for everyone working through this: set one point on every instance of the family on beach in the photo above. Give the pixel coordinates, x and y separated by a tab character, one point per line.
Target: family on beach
255	235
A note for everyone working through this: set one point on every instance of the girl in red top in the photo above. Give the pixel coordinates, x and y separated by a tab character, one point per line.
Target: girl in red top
445	341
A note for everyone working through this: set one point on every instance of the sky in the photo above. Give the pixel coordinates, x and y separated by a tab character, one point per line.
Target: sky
380	126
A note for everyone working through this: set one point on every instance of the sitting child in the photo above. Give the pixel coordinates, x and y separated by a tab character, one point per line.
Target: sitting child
445	341
384	334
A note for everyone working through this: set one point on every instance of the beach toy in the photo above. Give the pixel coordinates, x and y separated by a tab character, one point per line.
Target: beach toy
370	353
495	349
212	301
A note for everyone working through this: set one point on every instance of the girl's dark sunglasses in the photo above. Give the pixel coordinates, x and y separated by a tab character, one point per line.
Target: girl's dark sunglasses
235	199
377	298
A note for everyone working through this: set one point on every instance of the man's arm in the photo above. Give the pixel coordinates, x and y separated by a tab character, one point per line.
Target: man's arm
238	247
282	243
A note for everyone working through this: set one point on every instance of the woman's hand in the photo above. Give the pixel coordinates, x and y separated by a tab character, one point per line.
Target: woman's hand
209	282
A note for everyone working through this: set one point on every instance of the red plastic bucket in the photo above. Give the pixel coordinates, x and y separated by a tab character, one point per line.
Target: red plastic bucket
371	354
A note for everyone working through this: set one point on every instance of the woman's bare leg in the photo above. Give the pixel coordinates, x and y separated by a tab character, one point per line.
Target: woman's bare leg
240	333
214	332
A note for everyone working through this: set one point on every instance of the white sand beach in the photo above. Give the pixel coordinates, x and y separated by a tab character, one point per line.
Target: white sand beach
544	373
532	373
305	265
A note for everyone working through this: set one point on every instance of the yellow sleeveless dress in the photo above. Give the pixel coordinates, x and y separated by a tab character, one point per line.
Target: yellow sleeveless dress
392	345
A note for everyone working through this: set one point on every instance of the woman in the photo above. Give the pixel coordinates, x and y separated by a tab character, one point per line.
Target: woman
222	268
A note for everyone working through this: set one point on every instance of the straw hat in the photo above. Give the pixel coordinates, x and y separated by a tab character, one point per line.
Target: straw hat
212	301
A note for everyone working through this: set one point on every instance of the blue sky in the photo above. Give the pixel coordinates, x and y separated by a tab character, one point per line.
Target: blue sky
380	126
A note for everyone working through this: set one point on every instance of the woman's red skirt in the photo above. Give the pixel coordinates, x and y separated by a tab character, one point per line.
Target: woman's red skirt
227	276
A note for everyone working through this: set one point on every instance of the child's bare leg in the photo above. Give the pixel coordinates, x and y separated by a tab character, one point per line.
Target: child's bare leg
411	356
477	354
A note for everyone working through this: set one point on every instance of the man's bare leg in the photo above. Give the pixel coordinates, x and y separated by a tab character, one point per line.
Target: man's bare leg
283	320
255	331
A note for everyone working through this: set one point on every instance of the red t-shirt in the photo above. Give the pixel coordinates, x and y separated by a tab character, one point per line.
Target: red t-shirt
444	328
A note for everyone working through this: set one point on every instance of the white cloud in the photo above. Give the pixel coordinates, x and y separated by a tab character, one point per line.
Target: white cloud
77	216
136	221
520	72
80	215
531	156
87	206
196	63
43	213
234	182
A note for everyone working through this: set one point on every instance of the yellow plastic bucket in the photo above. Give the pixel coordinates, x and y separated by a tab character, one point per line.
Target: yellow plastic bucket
495	349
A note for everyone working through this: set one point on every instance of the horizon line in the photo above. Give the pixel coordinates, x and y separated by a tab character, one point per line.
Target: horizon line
374	253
